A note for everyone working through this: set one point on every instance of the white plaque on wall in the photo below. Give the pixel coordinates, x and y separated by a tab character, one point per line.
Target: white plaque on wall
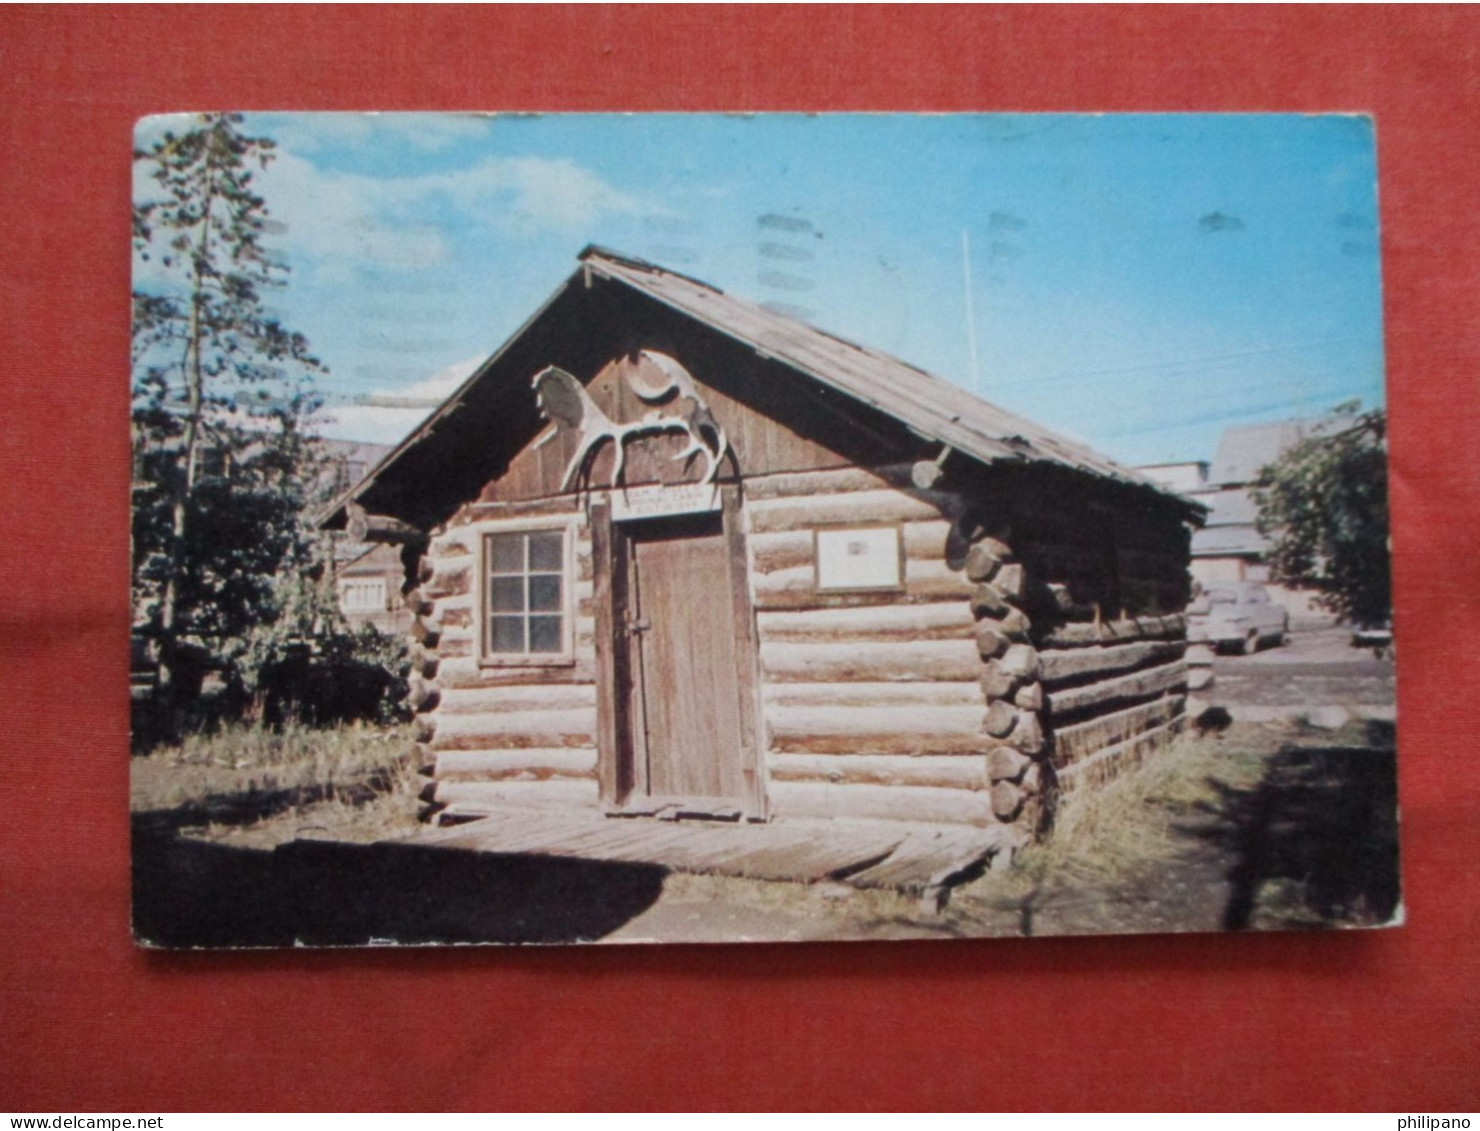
658	501
858	558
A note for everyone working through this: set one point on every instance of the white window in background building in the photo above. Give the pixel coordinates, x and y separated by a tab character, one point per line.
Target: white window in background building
362	595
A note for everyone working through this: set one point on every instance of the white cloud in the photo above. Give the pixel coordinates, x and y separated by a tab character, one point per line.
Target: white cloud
444	382
542	192
427	132
372	425
411	221
340	217
382	425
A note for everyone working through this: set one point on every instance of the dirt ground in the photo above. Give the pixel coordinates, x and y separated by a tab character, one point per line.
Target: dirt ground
1316	667
1273	823
1264	826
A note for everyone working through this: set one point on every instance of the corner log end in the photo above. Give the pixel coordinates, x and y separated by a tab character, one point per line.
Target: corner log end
363	527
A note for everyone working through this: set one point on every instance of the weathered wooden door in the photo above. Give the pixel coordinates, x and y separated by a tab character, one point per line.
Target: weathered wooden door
689	687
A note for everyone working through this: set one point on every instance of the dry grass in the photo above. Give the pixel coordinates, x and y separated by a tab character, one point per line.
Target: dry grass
1121	857
350	783
1109	835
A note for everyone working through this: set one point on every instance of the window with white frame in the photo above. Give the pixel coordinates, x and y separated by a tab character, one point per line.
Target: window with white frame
362	595
526	595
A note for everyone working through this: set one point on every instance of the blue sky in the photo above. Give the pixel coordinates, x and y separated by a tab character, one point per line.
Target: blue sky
1136	281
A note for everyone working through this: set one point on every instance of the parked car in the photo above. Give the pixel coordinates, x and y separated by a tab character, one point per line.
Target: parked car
1378	638
1236	615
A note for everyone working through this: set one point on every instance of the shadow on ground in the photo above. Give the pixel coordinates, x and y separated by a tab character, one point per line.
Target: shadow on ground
195	893
1322	825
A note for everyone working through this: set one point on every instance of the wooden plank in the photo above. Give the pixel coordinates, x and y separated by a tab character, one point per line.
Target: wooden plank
519	698
817	859
1074	743
879	802
534	763
881	730
485	510
923	861
753	413
1136	685
1118	758
1058	666
450	578
915	696
747	656
944	771
906	744
1124	630
923	540
608	702
831	481
453	544
453	615
796	587
781	549
928	660
881	853
945	620
557	794
689	656
457	672
887	505
513	729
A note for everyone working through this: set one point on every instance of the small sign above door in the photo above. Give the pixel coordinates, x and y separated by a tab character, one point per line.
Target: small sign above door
660	501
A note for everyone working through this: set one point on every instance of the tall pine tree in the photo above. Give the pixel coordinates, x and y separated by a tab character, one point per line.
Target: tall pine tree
222	392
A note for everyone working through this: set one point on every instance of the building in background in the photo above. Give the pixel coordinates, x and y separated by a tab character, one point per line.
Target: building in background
1229	547
368	576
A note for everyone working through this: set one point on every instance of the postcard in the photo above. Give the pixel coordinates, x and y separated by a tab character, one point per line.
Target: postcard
777	527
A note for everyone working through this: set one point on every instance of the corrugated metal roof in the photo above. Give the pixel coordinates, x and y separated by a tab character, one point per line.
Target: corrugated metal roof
930	405
934	409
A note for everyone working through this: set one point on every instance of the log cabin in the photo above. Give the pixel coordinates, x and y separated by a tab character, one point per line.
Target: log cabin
671	554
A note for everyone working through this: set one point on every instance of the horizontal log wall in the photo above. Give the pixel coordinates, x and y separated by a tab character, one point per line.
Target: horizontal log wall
1108	593
992	677
878	802
473	797
529	764
871	700
1111	761
1084	739
943	620
510	734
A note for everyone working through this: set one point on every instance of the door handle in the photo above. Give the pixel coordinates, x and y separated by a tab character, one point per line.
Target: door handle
639	625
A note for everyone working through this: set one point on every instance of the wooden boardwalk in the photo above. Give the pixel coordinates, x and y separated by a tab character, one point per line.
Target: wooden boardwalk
920	859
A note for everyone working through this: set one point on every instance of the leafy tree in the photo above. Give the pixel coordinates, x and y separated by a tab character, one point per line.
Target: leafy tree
222	396
307	663
1324	505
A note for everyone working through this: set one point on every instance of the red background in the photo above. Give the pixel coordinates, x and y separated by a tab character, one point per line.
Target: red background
1368	1021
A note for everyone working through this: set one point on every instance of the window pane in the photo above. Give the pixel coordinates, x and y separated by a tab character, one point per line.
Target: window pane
506	553
506	594
545	550
506	634
544	592
544	634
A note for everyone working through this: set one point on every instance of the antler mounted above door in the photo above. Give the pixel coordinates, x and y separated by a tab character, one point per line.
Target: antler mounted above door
564	401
